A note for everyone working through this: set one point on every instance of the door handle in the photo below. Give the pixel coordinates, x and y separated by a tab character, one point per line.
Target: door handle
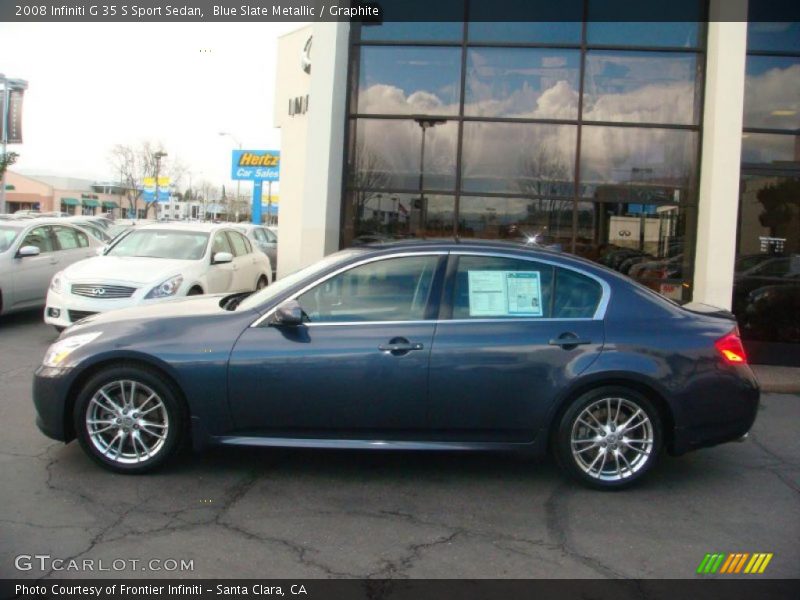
567	341
399	346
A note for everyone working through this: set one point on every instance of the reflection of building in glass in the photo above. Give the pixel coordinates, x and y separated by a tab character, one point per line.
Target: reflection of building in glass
614	141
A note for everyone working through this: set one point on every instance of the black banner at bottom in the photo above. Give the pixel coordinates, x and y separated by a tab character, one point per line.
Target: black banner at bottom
418	589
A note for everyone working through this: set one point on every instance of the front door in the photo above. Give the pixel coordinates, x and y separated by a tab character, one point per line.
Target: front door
357	368
35	272
519	332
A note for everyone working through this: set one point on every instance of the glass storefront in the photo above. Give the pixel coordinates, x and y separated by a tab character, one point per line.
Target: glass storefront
766	294
582	135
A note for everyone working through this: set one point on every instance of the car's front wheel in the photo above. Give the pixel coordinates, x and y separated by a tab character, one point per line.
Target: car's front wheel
609	438
129	419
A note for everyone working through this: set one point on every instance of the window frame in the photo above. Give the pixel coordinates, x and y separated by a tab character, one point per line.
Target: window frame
448	291
49	233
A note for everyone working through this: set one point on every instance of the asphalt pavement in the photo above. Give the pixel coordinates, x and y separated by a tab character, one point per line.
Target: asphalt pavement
298	513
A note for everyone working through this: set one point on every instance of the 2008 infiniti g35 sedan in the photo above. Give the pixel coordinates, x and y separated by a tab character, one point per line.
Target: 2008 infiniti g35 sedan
415	346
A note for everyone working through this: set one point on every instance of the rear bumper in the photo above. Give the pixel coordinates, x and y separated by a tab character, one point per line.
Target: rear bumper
725	413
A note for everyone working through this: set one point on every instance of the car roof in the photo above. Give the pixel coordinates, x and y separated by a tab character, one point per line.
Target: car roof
184	226
38	222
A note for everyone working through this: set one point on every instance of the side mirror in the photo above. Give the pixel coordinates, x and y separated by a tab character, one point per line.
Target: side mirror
28	251
221	257
288	314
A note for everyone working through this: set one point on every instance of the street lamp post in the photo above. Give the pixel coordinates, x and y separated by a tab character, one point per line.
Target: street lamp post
239	146
158	156
425	123
8	86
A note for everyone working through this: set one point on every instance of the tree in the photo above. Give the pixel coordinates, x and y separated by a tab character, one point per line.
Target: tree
135	163
6	160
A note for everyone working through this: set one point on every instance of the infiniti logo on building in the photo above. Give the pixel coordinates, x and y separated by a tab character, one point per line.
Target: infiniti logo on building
305	57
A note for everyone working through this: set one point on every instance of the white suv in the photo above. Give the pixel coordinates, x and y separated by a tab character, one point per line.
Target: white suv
154	263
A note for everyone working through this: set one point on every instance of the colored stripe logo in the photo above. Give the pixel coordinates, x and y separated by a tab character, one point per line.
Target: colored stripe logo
735	563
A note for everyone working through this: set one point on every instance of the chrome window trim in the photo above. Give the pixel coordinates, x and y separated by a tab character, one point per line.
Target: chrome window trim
599	313
347	267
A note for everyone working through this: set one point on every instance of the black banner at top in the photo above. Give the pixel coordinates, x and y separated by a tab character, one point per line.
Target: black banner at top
382	11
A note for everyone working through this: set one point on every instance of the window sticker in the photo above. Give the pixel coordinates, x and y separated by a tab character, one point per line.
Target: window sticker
505	293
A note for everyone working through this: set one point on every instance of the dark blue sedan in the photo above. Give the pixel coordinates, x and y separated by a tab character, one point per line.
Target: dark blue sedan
412	346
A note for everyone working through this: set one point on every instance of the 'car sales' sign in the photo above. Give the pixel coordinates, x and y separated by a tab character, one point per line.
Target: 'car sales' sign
262	165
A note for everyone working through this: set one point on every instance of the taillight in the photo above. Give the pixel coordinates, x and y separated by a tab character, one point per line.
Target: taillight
731	349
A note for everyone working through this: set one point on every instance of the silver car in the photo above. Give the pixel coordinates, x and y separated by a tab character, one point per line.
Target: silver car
265	239
31	252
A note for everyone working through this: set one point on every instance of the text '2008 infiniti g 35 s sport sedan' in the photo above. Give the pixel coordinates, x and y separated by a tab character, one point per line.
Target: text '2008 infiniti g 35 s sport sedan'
414	346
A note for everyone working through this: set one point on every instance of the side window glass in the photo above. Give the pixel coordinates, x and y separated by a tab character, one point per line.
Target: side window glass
39	237
67	238
489	287
221	244
396	289
271	237
577	296
260	235
240	245
83	239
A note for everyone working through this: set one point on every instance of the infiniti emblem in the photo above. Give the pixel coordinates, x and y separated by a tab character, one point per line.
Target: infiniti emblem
98	291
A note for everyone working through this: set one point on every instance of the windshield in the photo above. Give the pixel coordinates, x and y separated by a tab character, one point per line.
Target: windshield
162	243
275	289
7	237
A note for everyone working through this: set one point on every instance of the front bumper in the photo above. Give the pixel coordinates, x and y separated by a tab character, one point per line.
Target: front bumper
50	397
64	309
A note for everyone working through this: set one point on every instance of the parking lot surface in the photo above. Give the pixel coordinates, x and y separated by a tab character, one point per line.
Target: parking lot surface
294	514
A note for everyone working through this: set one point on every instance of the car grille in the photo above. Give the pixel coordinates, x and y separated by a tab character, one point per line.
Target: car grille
77	315
102	291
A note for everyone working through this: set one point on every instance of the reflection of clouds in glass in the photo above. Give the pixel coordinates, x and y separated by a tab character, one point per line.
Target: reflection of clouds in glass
762	148
775	89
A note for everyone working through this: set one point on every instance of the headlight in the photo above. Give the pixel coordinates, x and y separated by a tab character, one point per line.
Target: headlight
55	283
63	348
166	289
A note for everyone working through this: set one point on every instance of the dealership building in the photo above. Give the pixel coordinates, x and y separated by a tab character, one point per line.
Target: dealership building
669	151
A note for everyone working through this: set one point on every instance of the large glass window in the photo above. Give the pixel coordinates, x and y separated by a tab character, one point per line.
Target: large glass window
389	290
766	290
561	125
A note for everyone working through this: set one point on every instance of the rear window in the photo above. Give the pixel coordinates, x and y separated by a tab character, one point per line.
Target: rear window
577	296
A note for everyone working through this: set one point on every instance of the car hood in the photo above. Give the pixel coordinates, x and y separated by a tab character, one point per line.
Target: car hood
187	306
129	269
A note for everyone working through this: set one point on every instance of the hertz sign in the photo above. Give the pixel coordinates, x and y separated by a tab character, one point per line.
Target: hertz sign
261	165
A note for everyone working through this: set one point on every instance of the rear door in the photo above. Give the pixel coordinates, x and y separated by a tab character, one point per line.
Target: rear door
245	274
72	245
513	333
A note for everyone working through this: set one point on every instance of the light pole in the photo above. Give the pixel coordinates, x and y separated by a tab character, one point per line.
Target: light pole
158	156
239	146
425	123
8	86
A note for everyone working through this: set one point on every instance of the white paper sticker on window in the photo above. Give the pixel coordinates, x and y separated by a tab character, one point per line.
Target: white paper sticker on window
505	293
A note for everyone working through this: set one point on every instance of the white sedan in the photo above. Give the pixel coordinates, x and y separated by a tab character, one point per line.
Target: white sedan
154	263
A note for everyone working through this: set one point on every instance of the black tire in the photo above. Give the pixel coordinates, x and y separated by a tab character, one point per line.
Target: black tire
59	328
602	441
195	291
262	283
170	411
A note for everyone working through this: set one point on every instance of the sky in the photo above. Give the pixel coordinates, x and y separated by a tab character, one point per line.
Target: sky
92	86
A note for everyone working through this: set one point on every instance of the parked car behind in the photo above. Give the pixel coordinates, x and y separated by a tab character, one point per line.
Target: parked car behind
264	239
412	346
157	262
31	252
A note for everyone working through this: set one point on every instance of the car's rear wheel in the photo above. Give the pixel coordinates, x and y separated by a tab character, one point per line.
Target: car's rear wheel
262	283
129	419
609	438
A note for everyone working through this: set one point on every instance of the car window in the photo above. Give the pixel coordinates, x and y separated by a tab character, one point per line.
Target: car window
776	267
39	237
69	238
221	244
489	287
577	296
270	235
241	245
7	237
394	289
259	235
161	243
